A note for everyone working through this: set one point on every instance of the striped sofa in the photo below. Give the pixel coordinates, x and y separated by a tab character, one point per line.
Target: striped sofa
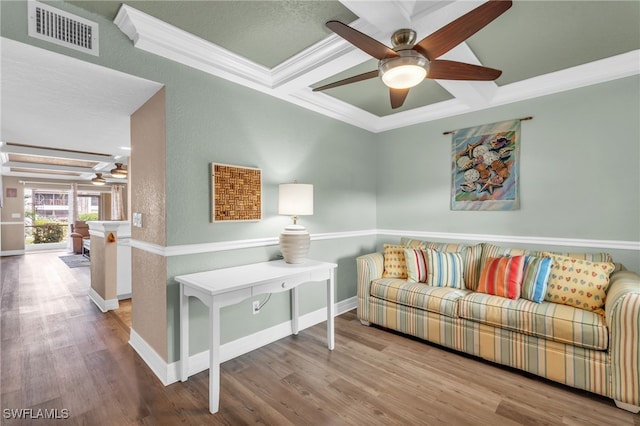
596	352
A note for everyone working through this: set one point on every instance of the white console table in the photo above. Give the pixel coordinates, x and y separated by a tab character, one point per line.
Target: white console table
223	287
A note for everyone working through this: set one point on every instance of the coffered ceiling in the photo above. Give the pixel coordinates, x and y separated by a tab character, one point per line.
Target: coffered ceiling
283	49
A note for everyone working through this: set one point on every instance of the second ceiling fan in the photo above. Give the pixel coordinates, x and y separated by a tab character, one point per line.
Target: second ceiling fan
408	63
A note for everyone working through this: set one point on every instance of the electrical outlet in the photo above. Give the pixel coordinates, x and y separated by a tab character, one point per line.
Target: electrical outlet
256	307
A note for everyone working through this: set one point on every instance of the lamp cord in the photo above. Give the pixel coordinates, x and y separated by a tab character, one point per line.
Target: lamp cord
265	302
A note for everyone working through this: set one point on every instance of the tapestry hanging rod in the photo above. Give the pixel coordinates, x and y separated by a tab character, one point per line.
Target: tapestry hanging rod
521	119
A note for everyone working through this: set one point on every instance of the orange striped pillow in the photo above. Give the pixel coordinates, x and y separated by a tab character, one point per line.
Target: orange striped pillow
502	276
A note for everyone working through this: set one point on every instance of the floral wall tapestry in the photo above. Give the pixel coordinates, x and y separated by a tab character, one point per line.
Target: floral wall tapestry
485	167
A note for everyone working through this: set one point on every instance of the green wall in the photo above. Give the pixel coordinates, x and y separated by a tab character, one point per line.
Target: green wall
215	120
579	170
209	119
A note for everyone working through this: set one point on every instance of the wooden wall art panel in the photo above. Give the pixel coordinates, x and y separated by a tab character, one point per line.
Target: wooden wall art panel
236	193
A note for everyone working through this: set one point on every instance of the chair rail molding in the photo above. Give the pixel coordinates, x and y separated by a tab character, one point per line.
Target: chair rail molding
188	249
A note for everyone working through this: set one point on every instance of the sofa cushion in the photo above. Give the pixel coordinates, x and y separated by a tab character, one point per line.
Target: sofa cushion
579	283
470	257
536	275
440	300
502	276
490	250
444	269
550	321
591	257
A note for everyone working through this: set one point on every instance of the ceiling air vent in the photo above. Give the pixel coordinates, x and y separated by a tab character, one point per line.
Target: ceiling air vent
62	28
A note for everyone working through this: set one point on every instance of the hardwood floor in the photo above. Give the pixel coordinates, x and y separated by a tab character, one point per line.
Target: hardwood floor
60	352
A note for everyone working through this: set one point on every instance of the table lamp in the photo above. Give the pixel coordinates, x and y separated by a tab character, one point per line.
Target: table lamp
295	199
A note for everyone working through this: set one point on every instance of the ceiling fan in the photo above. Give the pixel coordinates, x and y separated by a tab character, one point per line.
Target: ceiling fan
408	63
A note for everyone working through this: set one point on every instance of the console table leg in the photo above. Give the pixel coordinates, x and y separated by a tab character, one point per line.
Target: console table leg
295	313
214	357
330	313
184	335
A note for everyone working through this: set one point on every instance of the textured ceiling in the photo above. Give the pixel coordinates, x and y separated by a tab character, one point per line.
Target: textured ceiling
539	37
532	38
266	32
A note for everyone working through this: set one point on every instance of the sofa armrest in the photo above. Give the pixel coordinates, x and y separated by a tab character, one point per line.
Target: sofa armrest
369	267
622	310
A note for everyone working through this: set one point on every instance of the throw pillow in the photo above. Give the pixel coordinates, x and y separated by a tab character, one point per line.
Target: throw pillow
579	283
416	265
535	277
444	269
395	265
470	256
502	276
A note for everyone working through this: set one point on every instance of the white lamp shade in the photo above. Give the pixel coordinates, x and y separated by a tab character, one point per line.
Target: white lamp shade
295	199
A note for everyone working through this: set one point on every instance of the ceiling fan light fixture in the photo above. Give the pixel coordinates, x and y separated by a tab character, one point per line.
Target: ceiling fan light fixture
98	180
120	172
404	71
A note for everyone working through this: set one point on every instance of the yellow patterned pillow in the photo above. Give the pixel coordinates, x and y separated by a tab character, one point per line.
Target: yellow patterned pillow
395	265
578	282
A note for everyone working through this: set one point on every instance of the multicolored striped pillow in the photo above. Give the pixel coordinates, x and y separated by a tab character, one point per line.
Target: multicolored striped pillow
536	275
502	276
416	265
471	256
444	269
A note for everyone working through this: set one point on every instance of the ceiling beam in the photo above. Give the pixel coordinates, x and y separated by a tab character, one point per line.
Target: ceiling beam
52	167
57	153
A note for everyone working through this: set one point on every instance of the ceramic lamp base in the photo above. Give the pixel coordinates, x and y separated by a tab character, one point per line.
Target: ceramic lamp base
294	244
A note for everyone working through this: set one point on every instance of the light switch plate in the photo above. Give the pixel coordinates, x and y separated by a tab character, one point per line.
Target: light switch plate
137	220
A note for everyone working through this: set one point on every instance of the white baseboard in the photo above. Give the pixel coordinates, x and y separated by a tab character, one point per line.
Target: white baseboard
149	356
169	373
12	252
103	305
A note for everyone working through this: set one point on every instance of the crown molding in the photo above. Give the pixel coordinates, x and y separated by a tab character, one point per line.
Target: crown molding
319	61
289	80
157	37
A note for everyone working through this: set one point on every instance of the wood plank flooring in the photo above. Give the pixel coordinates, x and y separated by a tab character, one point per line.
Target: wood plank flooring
58	351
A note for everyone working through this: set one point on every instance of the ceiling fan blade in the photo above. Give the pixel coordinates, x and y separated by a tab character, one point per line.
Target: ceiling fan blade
397	97
452	70
454	33
361	41
355	78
